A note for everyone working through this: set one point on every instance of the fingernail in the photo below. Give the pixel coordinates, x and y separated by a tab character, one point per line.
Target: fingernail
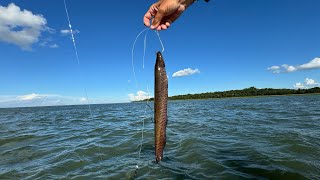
152	27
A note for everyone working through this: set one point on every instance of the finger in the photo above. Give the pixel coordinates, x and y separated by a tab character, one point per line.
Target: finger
165	24
168	24
163	27
150	13
158	18
146	19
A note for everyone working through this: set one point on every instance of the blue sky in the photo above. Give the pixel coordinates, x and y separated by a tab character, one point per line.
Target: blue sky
229	44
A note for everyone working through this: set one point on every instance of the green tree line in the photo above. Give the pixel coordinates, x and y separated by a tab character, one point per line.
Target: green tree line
252	91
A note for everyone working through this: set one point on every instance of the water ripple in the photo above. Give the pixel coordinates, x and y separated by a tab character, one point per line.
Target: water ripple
236	138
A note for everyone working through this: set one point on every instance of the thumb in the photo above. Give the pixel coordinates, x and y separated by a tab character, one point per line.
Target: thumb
157	19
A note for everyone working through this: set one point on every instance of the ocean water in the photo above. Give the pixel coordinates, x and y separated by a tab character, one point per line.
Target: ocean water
235	138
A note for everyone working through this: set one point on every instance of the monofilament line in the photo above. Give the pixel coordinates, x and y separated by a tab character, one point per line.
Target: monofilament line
71	32
144	48
134	74
157	32
132	51
142	130
76	52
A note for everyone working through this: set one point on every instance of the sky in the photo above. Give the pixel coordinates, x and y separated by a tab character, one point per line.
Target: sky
215	46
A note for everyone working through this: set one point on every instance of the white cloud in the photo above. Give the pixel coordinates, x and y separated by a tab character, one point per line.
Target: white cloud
83	100
30	97
288	68
274	69
34	99
186	72
20	27
48	42
299	85
139	96
67	31
308	83
313	64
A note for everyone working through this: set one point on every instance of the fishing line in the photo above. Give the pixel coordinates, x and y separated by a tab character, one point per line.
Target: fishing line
71	32
78	60
136	82
157	32
144	49
148	98
76	52
132	61
145	112
142	133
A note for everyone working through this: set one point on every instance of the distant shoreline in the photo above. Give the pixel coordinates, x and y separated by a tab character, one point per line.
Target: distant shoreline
244	93
307	94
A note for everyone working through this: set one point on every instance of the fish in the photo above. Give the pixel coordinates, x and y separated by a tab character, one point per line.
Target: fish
160	106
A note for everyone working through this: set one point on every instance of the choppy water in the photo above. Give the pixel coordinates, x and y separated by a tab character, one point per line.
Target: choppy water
266	137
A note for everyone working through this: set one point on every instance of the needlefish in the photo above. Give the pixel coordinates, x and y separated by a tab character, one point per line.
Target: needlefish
160	106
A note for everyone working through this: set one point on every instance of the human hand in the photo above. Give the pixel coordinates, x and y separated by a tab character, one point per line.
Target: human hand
165	12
